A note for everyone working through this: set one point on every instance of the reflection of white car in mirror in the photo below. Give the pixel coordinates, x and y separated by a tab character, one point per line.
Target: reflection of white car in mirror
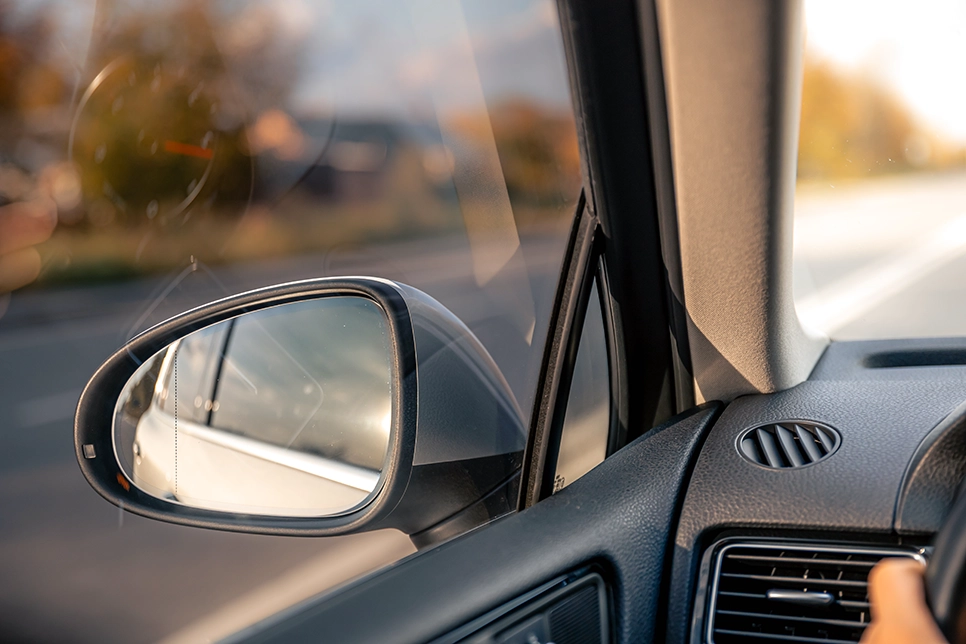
194	424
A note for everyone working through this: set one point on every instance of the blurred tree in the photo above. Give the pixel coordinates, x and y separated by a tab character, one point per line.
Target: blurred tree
28	79
852	127
537	147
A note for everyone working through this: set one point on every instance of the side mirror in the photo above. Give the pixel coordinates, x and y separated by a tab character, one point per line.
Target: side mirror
320	407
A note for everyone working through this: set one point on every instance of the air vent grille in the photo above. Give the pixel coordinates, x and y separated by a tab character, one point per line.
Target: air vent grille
784	593
788	444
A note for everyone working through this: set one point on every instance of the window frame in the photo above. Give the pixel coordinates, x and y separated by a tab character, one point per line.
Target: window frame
625	228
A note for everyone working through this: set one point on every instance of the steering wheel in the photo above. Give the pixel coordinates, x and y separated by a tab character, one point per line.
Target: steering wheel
946	575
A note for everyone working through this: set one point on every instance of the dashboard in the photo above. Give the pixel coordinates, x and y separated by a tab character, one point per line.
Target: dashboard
888	414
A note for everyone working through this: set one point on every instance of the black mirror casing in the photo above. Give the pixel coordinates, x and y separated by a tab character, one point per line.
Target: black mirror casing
455	458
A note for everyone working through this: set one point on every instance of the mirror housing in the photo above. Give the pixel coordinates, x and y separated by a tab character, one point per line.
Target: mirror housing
455	446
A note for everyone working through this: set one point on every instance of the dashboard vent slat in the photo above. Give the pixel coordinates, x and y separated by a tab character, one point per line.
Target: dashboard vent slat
807	441
793	453
797	581
825	436
788	445
789	618
748	579
803	560
786	638
769	448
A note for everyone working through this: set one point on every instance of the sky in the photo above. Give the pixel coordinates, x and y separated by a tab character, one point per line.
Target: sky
918	49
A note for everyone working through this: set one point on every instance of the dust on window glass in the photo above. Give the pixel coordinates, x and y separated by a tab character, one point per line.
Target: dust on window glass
156	156
880	208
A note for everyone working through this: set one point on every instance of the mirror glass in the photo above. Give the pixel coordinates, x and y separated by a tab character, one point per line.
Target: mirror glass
284	411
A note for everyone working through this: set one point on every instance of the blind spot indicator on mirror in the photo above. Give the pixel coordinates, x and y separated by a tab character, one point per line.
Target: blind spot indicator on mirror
89	451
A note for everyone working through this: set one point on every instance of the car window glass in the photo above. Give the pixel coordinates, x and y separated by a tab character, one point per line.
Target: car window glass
586	429
167	154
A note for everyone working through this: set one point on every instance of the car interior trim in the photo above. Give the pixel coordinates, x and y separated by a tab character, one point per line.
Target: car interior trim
565	324
493	626
617	434
934	477
568	360
657	119
733	108
702	623
611	106
882	422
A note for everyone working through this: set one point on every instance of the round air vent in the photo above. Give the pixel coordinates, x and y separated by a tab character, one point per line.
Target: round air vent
788	444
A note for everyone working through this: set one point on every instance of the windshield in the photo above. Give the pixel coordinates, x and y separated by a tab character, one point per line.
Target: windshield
880	209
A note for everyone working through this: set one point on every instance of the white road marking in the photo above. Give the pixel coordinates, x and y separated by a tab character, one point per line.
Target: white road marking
833	307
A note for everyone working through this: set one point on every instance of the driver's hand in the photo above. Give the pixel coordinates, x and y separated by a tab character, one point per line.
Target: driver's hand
23	225
899	611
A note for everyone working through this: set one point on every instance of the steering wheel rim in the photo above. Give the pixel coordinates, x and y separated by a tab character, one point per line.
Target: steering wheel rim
946	575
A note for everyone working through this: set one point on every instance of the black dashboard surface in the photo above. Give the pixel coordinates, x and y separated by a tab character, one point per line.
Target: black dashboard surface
882	414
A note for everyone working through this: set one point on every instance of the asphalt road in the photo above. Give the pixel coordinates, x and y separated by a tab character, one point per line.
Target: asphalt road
74	568
883	258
